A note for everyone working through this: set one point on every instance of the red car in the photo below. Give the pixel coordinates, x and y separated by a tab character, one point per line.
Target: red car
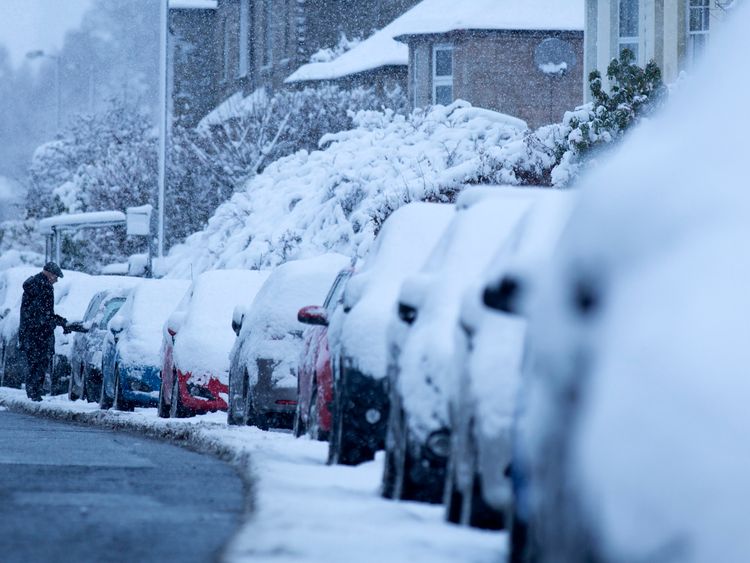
314	377
196	343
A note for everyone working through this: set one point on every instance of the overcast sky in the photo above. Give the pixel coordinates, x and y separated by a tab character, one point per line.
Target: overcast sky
26	25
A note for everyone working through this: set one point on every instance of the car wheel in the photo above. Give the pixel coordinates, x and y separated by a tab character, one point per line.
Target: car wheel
345	447
233	417
452	499
474	509
298	427
162	410
72	392
406	488
313	416
105	402
176	408
120	403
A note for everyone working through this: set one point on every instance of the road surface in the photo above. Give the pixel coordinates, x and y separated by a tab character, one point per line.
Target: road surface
76	493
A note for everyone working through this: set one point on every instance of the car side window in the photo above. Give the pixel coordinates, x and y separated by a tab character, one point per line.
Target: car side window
336	293
110	309
93	307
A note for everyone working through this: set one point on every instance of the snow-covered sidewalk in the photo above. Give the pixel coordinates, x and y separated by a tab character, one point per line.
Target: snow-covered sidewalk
300	509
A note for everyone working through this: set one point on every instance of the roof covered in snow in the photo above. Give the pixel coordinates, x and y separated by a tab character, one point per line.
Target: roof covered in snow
193	4
81	220
443	16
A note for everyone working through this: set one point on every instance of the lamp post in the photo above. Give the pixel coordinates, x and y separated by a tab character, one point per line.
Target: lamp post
39	54
163	113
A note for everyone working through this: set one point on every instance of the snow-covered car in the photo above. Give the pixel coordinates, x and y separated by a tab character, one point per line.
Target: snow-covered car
86	357
197	339
633	434
422	342
73	295
130	359
357	333
489	350
11	291
314	376
265	356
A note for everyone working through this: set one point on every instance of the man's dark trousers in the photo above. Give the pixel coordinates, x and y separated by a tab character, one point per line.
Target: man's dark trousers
36	368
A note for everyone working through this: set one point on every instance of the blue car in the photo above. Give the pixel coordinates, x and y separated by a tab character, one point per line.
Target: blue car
131	356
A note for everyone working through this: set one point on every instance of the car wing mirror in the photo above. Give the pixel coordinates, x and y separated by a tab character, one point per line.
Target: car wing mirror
505	295
313	315
238	316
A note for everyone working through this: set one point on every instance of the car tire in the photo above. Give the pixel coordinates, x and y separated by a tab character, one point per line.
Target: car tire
120	403
453	497
73	394
162	409
344	447
176	408
298	427
105	402
475	511
313	416
405	487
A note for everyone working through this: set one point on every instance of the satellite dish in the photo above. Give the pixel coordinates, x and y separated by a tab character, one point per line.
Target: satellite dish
554	56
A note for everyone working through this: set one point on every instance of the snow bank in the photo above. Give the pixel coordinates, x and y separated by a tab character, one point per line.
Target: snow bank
299	509
334	200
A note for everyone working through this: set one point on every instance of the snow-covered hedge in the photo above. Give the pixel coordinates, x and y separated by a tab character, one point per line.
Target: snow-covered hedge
336	198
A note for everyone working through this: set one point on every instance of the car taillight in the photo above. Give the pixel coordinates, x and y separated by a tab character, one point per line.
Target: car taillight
285	402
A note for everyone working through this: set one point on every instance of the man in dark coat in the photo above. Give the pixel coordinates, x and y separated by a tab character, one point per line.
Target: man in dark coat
36	333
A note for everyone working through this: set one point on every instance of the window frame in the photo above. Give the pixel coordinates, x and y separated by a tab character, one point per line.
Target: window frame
243	64
442	80
631	42
692	35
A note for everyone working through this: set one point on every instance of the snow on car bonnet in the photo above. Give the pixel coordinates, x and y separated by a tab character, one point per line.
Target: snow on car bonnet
205	338
147	308
401	248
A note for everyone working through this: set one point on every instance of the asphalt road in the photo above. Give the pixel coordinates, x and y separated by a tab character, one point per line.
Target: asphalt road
75	493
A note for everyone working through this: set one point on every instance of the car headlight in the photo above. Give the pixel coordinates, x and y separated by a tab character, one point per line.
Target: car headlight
439	443
372	416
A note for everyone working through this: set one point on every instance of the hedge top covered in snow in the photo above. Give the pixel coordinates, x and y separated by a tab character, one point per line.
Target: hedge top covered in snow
335	199
443	16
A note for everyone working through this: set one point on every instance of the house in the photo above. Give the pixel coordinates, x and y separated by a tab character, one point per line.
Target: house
193	69
673	33
520	57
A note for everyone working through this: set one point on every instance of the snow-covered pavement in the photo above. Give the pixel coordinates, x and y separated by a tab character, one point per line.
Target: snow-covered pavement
300	509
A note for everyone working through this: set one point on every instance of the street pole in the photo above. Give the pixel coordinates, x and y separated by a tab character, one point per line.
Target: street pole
57	89
162	120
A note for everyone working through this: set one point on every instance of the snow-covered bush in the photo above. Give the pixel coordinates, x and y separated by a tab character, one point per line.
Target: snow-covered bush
106	161
554	155
244	135
335	199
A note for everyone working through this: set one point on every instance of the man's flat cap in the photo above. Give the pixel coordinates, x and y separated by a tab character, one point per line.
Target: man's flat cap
53	268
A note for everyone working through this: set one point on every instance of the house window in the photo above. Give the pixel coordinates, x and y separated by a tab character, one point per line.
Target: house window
442	74
267	34
698	23
414	78
244	36
225	60
628	23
